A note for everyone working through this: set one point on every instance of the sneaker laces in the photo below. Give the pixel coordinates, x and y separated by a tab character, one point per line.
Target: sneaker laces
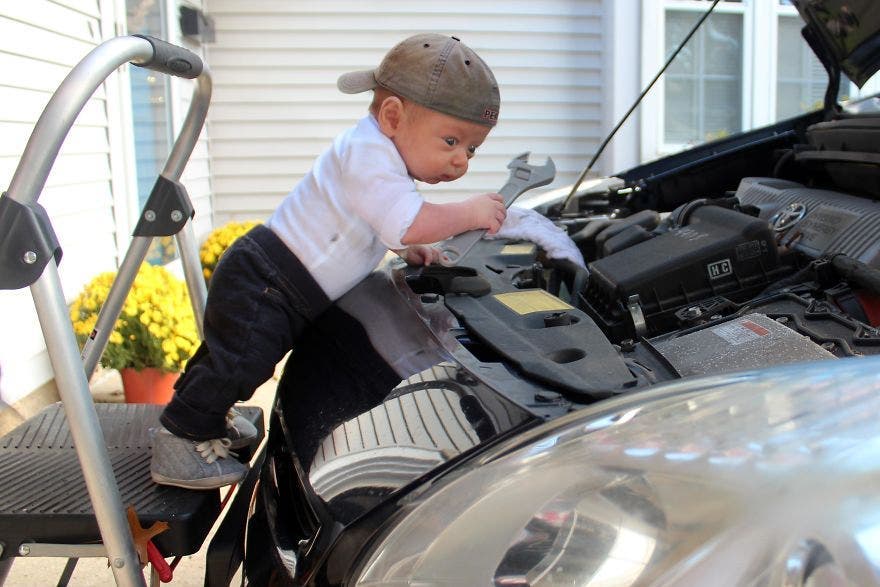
216	448
231	415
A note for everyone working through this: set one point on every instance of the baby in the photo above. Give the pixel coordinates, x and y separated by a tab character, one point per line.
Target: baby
434	103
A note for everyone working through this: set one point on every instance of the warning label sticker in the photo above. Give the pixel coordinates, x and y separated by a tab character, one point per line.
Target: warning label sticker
518	249
533	300
740	331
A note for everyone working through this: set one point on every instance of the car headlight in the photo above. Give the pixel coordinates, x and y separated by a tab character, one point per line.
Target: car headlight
759	478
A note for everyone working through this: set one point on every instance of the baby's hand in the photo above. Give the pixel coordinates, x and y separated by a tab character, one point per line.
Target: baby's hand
420	255
487	211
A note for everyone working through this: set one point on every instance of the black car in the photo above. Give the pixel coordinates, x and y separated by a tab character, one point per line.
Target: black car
694	406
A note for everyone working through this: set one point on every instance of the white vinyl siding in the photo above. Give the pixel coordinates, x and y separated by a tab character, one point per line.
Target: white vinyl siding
276	106
90	193
39	42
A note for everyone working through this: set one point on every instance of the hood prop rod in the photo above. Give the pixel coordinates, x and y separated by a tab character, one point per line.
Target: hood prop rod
647	89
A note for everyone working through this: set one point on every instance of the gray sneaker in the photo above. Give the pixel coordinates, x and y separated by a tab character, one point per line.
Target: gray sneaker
239	430
194	464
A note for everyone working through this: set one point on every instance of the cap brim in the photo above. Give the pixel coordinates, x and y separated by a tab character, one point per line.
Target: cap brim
356	82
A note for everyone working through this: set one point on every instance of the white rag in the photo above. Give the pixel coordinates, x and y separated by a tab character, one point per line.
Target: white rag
526	224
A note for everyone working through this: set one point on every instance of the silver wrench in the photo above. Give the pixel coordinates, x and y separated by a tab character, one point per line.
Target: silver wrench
523	177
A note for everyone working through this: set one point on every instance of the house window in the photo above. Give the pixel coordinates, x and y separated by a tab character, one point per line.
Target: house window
151	113
746	67
704	84
801	79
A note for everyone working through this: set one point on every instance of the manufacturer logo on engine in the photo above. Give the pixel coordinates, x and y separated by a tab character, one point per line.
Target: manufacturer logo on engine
788	217
720	269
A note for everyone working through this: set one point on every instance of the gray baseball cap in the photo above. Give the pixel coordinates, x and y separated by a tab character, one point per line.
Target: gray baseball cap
435	71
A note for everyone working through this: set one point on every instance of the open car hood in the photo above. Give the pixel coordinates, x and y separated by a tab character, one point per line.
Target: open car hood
844	35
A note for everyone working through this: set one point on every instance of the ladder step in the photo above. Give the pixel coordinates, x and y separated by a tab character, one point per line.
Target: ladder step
43	497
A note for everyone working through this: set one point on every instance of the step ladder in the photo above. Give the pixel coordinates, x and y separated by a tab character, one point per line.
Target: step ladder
70	472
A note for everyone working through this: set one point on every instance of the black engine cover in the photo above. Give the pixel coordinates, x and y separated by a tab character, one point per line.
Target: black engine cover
720	252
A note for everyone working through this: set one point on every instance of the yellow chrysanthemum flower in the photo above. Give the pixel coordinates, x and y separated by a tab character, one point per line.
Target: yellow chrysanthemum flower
156	327
218	241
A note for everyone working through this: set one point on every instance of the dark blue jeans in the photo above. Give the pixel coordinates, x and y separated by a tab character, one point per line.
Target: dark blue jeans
260	300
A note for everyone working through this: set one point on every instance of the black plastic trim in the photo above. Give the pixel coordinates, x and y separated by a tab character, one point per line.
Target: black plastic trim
27	243
171	59
166	211
226	550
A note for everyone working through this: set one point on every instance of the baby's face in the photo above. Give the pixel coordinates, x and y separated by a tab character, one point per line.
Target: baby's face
437	147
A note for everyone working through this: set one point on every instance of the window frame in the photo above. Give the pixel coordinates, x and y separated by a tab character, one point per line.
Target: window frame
173	117
760	21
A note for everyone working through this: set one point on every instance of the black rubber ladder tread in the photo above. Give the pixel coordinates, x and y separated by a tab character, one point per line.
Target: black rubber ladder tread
43	496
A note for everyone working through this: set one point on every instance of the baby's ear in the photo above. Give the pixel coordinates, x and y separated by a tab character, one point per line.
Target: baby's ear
390	115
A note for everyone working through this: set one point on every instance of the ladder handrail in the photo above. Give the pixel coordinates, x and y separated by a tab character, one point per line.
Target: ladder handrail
27	182
137	250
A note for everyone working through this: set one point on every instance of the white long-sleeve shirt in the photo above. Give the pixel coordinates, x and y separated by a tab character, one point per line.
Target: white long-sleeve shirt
354	205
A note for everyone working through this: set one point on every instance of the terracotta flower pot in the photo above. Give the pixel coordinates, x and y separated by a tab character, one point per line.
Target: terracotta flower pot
148	386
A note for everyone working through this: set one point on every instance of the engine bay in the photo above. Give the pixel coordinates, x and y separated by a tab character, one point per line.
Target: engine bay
749	272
